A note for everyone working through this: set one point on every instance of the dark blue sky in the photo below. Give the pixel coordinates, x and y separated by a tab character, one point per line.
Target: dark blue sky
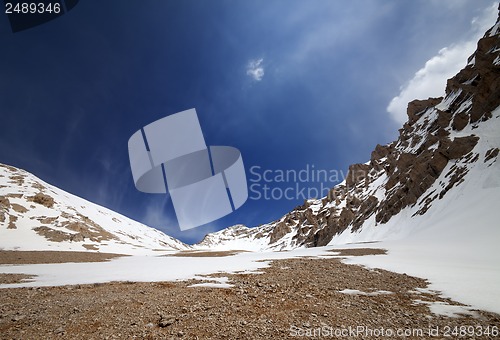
289	83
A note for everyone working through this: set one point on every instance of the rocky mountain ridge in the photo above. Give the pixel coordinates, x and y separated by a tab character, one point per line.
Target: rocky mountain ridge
443	140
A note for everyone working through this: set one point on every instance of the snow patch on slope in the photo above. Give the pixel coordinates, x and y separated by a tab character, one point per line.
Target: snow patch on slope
461	231
78	224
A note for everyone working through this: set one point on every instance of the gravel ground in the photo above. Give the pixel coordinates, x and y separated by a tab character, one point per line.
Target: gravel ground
37	257
292	298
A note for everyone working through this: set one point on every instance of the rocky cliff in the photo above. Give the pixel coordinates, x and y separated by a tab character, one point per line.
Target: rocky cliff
443	139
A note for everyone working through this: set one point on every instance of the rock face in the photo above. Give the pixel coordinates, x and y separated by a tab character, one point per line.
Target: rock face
435	150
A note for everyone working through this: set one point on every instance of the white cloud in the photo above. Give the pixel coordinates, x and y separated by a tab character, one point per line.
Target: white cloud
255	69
430	80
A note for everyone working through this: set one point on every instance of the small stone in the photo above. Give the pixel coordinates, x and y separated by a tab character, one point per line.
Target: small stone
60	330
16	318
166	320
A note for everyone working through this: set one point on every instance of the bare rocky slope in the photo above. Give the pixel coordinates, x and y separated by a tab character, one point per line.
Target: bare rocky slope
443	141
35	215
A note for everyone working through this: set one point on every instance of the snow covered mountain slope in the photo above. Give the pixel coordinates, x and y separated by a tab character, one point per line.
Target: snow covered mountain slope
238	237
441	174
35	215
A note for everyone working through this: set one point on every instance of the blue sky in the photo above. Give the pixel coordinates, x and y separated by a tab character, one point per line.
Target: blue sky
291	84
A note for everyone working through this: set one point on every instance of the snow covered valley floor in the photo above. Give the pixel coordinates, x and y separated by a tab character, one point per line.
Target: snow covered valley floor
304	292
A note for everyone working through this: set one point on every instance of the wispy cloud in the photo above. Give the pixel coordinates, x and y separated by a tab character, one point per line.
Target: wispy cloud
155	213
430	80
255	69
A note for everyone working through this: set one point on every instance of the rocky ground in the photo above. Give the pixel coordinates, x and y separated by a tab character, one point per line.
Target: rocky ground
292	298
37	257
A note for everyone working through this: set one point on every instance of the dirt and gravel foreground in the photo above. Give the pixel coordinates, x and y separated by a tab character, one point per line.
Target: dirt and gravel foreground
293	298
38	257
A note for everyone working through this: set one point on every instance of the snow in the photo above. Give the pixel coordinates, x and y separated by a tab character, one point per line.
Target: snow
150	268
315	206
459	273
494	30
359	292
465	106
221	243
377	188
446	103
470	81
454	244
445	309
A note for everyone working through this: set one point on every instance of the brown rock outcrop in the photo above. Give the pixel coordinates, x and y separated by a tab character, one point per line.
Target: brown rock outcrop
43	199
